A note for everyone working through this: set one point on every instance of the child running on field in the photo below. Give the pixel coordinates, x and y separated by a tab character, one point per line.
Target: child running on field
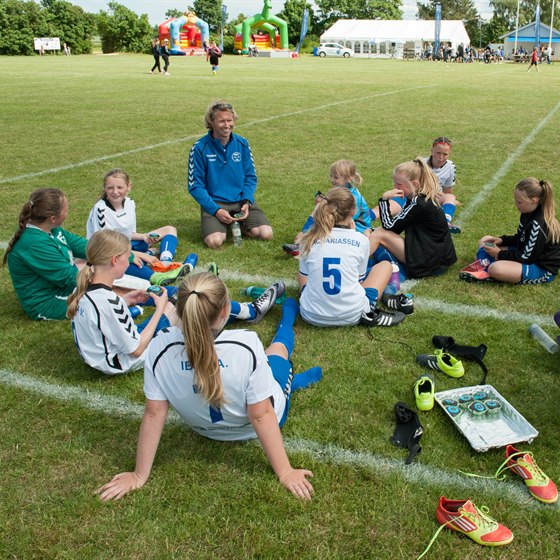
222	383
213	54
104	331
427	248
343	173
115	210
336	287
532	254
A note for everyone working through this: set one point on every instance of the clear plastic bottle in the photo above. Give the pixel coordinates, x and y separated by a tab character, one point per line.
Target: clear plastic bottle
547	343
236	234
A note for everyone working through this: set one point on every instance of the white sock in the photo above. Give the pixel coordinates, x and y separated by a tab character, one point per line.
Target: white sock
166	256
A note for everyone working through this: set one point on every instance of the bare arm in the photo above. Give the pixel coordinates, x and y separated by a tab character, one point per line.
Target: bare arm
155	415
265	423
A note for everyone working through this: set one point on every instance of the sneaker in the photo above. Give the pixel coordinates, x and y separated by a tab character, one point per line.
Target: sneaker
214	72
213	269
540	486
453	228
167	74
291	249
379	318
442	361
265	303
170	277
424	389
476	271
464	517
399	302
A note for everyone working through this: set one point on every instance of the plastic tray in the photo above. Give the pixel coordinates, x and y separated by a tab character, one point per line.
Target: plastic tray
484	429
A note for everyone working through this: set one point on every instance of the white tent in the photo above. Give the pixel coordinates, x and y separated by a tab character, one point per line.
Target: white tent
393	37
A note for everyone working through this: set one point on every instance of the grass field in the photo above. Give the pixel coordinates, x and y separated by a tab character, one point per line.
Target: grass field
65	429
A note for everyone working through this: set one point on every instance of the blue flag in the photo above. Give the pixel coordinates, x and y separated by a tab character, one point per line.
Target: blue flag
437	29
304	29
224	19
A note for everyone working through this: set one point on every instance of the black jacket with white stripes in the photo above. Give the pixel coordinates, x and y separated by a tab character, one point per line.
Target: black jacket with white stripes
530	245
428	247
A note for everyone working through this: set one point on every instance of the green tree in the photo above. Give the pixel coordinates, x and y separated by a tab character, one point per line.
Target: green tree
210	11
505	11
464	10
71	24
292	14
20	22
331	10
173	13
122	30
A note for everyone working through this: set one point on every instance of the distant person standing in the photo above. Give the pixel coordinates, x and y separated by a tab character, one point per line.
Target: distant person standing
223	180
164	52
155	53
214	54
66	49
548	53
534	60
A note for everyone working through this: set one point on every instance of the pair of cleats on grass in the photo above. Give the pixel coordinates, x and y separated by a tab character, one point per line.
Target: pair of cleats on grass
399	306
465	517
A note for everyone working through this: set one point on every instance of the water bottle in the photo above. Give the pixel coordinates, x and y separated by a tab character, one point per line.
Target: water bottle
546	342
253	292
190	261
394	283
135	311
236	234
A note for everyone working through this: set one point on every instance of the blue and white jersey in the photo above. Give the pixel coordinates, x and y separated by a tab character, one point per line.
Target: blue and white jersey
246	378
445	174
105	333
334	269
103	215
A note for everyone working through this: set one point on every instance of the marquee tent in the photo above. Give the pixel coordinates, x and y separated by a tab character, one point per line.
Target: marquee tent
385	38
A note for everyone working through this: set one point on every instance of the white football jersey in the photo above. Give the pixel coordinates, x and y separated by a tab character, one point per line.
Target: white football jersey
103	215
334	270
105	333
246	377
445	174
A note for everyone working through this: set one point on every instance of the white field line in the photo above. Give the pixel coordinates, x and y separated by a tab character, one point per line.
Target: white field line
196	136
416	473
487	189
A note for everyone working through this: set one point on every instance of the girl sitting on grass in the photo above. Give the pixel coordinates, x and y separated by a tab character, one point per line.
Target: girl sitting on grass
222	383
427	248
532	254
115	210
43	258
336	287
104	331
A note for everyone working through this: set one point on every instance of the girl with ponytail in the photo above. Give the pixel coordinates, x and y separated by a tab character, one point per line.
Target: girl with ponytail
104	331
222	383
427	248
42	256
532	254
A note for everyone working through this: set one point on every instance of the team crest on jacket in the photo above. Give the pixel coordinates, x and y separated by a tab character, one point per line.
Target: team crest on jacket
236	156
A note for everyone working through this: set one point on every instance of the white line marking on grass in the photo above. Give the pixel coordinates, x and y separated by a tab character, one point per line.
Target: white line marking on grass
3	245
416	473
196	136
487	189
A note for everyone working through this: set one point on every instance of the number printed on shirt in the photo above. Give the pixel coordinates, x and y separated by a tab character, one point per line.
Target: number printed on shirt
332	276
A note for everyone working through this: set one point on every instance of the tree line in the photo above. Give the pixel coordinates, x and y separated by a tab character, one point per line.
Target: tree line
122	30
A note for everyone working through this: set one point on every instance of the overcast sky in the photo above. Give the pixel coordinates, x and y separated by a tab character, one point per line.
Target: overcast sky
156	8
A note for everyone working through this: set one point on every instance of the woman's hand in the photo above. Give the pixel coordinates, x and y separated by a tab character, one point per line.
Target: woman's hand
393	193
135	297
120	486
295	480
161	300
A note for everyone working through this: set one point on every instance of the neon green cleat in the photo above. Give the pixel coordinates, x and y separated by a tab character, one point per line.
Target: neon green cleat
213	269
424	388
442	361
169	277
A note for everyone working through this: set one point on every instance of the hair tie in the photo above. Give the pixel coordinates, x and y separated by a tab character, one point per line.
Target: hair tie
31	203
541	183
88	263
417	161
193	292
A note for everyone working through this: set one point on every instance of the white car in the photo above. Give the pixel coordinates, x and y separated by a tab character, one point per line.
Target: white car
333	49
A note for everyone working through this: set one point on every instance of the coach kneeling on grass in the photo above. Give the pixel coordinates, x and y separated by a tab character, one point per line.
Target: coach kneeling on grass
222	179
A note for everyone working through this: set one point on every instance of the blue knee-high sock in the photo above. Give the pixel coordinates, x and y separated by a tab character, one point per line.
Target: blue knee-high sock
482	254
305	378
449	210
168	247
308	223
381	254
372	294
241	311
285	331
144	272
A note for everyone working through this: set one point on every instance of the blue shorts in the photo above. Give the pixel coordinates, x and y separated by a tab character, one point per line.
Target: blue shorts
163	323
401	200
535	274
283	374
139	245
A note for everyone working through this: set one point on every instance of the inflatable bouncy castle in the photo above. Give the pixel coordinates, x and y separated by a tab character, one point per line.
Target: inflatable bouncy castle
187	34
262	30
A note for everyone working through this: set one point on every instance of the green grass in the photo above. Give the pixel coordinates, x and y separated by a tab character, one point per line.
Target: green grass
213	500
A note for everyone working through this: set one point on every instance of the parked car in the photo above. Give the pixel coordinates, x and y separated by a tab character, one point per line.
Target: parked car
333	49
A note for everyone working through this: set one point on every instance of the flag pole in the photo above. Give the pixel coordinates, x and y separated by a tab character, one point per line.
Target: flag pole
516	28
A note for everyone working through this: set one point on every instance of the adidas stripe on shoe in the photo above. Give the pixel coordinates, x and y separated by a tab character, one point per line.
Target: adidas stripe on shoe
379	318
442	361
399	302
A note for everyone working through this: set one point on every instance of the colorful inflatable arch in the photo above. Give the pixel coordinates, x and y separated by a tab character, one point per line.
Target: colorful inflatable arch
186	34
264	21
